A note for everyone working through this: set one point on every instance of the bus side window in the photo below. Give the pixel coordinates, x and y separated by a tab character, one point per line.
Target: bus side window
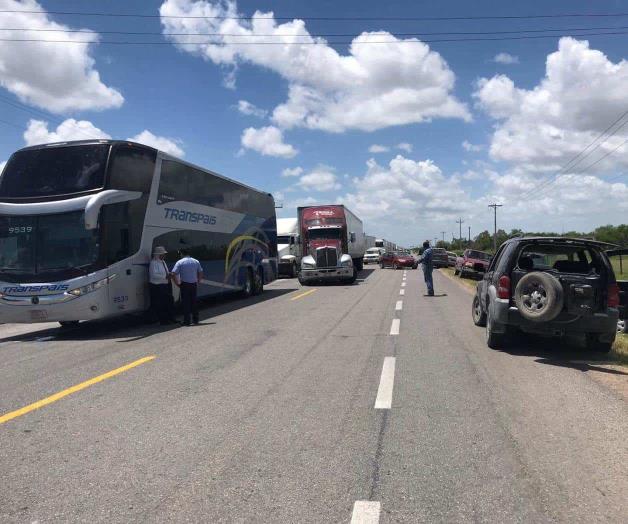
132	168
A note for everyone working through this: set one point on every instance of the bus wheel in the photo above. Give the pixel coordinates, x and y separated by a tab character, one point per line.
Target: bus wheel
258	283
247	290
65	324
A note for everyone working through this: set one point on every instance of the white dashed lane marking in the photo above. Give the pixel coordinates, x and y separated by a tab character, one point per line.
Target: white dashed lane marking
403	284
402	291
365	512
386	383
394	327
399	305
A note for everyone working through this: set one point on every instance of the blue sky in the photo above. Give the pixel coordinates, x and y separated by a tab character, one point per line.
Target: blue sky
517	129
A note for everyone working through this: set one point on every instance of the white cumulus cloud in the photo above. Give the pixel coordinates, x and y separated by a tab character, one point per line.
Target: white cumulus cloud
37	132
404	146
371	87
56	77
505	58
292	171
543	128
322	178
246	108
268	141
468	146
167	145
377	148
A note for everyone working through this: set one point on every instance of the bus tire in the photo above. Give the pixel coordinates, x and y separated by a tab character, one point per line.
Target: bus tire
248	289
258	282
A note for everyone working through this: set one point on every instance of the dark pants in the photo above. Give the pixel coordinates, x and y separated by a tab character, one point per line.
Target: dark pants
188	300
429	282
161	302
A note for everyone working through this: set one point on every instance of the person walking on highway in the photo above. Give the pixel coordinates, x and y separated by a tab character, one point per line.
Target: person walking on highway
161	302
189	273
426	263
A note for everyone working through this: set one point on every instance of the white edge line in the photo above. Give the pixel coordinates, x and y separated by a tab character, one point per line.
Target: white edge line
399	305
386	383
365	512
394	327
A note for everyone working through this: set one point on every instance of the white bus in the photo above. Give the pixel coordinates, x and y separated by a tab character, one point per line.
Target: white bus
79	220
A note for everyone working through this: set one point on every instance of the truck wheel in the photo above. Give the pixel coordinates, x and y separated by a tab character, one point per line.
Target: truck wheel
353	277
594	343
293	270
493	340
302	281
359	264
539	296
249	284
479	317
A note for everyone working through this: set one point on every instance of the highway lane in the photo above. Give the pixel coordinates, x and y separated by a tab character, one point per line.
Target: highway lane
266	412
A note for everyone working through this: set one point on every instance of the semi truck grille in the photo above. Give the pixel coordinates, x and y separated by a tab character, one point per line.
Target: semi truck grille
326	257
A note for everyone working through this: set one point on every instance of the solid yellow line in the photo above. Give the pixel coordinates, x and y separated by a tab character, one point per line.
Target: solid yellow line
78	387
305	294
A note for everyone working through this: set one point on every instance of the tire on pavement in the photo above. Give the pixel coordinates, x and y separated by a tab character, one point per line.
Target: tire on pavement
479	316
494	340
539	296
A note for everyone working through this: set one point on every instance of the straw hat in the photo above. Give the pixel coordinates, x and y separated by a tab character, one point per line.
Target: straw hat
159	250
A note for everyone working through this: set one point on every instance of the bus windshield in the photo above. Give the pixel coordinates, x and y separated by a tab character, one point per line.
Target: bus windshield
41	244
46	172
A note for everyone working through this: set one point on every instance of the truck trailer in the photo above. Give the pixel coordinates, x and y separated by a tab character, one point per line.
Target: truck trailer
332	242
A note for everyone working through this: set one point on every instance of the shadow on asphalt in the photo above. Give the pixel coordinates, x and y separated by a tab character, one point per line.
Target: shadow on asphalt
362	277
137	327
568	352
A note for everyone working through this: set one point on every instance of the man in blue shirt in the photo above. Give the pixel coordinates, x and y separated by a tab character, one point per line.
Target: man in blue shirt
189	273
426	263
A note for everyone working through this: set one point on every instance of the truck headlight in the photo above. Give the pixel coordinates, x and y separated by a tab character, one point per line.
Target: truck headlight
93	286
346	261
308	263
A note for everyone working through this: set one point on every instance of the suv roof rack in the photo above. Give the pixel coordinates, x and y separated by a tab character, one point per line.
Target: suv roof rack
569	240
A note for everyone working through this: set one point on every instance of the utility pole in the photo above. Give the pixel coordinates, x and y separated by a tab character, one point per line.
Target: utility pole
469	235
495	206
460	222
443	233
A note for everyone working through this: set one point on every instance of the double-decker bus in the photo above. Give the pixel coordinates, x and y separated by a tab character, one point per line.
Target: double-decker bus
79	221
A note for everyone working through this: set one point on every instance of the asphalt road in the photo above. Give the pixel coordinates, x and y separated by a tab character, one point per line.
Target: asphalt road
266	412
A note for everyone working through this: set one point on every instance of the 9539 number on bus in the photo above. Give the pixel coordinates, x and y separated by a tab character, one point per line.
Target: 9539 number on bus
20	229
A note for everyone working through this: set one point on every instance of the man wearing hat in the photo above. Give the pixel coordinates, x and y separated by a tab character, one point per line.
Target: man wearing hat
161	302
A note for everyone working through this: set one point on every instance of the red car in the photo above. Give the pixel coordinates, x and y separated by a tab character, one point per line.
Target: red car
397	260
472	262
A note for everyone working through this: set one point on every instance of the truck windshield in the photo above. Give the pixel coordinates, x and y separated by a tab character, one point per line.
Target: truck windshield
283	240
41	244
53	171
324	233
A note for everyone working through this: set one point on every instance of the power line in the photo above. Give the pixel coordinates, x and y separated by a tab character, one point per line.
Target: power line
495	206
324	18
368	42
285	35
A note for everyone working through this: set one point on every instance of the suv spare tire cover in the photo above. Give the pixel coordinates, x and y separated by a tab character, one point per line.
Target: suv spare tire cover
539	296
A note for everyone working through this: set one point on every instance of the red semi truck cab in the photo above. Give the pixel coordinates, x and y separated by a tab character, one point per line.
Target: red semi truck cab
333	244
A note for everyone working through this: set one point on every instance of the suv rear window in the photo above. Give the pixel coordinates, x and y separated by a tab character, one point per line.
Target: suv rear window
562	258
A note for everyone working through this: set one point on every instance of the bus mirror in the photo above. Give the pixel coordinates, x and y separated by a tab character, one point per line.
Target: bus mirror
110	196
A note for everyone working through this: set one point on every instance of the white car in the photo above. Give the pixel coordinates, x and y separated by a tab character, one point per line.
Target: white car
373	255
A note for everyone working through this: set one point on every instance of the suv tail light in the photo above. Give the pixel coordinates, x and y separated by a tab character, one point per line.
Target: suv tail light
503	287
613	295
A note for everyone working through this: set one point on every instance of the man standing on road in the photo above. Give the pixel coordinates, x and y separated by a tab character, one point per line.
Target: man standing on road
161	303
426	263
189	273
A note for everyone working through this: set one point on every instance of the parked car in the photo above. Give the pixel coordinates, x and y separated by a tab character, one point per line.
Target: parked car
440	258
472	263
451	258
398	260
550	286
373	255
